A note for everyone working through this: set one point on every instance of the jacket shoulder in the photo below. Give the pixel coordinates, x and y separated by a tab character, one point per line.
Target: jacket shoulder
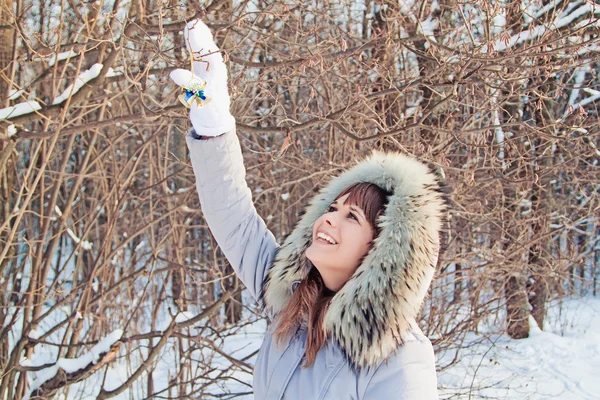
409	373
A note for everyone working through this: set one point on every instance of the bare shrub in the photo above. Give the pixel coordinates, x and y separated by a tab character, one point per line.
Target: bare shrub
100	225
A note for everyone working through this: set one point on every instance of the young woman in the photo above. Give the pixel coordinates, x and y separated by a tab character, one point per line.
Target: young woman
344	289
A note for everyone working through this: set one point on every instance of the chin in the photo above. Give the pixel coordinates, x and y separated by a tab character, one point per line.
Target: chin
312	255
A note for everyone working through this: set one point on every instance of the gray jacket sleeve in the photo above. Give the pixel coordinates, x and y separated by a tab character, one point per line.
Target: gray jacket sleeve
408	375
227	206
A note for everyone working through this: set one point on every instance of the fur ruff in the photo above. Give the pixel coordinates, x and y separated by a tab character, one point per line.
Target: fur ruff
371	316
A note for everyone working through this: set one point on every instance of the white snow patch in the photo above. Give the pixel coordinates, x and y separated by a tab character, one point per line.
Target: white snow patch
41	377
184	316
410	111
546	8
500	134
285	196
579	79
15	94
26	107
587	101
453	59
140	246
117	71
84	244
11	130
71	365
538	31
80	81
559	362
498	23
34	334
406	6
60	57
427	27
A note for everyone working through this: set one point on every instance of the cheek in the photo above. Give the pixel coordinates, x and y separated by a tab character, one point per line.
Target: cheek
358	242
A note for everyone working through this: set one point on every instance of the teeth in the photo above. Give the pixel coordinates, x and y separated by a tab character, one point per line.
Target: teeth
327	238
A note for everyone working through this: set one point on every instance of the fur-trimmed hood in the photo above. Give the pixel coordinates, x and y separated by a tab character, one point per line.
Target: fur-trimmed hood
371	315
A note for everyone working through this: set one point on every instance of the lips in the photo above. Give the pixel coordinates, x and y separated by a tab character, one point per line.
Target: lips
325	238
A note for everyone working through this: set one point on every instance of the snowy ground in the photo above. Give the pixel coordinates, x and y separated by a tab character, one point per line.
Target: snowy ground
562	362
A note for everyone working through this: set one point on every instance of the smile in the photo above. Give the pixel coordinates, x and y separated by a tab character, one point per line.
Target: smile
325	238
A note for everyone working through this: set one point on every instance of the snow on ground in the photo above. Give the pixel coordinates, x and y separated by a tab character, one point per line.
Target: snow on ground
561	362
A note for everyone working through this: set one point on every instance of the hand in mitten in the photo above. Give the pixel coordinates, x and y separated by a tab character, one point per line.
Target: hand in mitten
210	117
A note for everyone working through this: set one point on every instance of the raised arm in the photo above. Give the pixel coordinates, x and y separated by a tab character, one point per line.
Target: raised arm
218	165
227	205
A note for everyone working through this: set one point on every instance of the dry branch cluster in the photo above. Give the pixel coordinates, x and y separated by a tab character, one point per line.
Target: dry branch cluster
100	226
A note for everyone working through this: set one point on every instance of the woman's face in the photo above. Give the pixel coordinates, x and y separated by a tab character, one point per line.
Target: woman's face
341	238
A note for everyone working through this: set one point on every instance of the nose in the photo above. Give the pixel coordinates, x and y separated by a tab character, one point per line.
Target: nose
330	219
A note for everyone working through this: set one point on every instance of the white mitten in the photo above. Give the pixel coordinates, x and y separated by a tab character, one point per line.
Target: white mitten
210	117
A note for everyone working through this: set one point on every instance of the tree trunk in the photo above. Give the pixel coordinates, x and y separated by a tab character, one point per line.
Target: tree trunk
7	165
457	283
537	299
517	307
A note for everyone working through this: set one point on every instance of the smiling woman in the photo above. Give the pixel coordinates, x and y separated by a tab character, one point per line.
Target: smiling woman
341	239
345	288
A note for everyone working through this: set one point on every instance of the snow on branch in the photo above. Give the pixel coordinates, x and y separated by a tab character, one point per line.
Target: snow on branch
595	97
19	109
84	244
81	80
11	130
426	28
68	371
579	80
61	57
540	30
15	94
32	106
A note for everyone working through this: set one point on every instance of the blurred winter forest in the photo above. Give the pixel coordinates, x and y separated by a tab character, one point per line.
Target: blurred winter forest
100	225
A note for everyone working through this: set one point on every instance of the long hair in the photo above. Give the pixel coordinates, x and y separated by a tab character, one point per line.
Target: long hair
308	305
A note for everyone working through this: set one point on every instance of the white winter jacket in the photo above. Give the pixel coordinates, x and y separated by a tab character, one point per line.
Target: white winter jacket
375	349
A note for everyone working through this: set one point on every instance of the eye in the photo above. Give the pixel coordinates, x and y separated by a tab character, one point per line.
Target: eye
331	209
353	216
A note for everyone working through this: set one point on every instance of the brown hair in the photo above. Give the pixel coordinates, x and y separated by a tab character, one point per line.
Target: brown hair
310	300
